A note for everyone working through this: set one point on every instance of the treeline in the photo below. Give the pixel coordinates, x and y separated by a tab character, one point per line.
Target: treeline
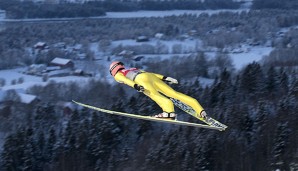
187	5
259	104
16	9
275	4
27	9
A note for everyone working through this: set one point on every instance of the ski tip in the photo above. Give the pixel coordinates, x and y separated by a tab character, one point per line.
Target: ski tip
223	129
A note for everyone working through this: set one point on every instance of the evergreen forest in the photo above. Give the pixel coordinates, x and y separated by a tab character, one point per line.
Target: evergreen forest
259	103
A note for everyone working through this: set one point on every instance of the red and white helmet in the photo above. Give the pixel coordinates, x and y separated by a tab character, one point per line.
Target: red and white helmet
115	67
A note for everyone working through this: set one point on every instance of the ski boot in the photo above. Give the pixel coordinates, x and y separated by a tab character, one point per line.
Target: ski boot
203	115
165	115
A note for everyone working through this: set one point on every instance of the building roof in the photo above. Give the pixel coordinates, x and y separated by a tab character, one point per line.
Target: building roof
27	98
60	61
40	44
24	98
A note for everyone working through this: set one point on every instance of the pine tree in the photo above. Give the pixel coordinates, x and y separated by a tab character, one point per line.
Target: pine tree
279	151
9	151
262	135
283	83
29	151
201	69
262	117
50	146
82	134
40	150
252	80
45	116
294	89
272	82
13	151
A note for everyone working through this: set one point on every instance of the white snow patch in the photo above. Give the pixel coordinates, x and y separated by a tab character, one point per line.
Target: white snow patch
255	54
30	81
60	61
26	98
139	14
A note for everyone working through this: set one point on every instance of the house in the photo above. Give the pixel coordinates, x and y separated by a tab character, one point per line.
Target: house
142	39
60	45
138	58
81	56
67	108
40	46
159	36
35	69
192	33
126	53
62	62
10	96
78	72
28	98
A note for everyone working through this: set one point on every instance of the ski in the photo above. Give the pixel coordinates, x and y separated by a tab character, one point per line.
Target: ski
208	120
149	118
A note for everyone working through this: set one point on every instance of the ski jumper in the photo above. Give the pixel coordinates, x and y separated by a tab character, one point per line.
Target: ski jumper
154	86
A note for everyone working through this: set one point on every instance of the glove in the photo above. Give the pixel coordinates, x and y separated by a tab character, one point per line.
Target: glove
170	80
139	88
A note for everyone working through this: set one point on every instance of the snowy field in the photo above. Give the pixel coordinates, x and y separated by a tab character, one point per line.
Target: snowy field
140	14
29	80
240	60
255	53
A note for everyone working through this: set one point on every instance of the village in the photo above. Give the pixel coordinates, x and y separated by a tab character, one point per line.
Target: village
13	89
65	66
76	63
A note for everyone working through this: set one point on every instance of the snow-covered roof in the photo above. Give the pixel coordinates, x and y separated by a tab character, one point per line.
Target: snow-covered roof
40	44
26	98
60	61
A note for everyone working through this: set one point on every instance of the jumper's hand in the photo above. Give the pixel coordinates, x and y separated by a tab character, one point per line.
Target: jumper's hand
139	88
171	80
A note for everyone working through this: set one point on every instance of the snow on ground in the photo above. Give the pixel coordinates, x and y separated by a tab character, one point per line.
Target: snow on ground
139	14
255	54
30	81
15	74
187	45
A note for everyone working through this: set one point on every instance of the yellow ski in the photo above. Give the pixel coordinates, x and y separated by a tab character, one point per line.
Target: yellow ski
176	122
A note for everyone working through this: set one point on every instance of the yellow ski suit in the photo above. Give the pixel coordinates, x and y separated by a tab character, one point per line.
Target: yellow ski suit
153	86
